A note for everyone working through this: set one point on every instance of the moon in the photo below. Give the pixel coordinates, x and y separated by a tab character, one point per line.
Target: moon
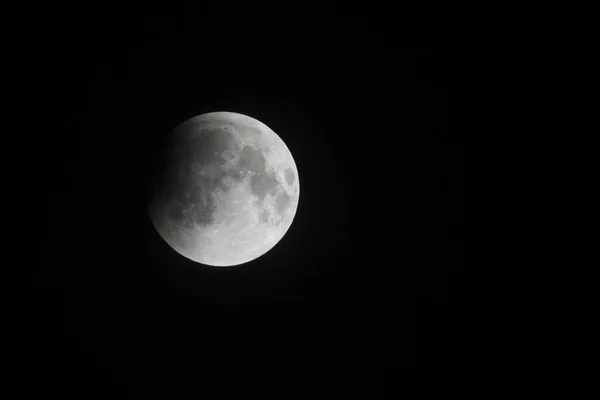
229	191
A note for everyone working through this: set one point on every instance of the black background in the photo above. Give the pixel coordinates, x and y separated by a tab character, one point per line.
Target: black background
369	277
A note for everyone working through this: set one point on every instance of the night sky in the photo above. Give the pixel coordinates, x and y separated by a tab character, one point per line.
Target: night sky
367	282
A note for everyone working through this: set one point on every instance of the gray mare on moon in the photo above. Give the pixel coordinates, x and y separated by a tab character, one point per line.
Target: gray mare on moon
229	192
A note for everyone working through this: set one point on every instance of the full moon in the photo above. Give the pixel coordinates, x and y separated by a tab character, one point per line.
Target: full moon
229	191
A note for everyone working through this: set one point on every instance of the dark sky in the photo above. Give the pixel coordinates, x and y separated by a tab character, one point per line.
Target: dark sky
367	279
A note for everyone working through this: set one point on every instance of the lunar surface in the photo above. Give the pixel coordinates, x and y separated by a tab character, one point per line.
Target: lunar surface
229	192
